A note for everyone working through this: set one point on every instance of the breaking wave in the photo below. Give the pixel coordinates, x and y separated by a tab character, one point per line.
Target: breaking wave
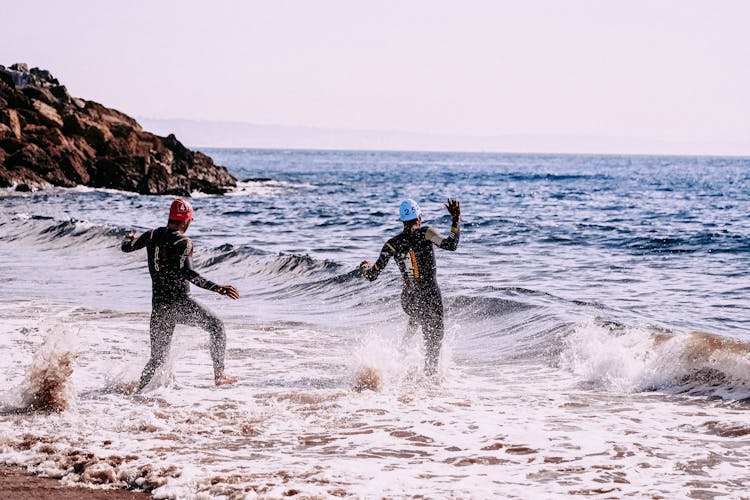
636	360
496	324
56	233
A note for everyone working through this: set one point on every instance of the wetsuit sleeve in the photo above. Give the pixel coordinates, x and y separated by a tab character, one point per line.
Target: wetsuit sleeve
449	242
133	245
186	265
385	255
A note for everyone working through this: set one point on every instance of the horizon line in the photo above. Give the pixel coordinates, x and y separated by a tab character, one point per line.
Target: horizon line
516	153
666	143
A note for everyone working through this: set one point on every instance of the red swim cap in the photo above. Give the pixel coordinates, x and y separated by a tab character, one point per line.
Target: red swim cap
180	210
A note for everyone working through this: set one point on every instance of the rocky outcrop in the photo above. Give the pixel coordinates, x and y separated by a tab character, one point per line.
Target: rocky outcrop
48	137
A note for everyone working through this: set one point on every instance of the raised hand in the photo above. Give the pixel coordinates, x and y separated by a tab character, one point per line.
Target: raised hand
228	291
454	208
130	236
364	266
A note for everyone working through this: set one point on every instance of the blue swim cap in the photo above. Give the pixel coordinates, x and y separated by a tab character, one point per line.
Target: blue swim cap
409	210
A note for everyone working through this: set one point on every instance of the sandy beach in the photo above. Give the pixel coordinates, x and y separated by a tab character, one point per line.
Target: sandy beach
16	482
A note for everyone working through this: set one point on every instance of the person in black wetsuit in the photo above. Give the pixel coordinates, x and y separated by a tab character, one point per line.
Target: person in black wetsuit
170	263
414	254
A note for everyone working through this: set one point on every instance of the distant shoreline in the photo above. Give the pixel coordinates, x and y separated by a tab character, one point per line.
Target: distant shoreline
452	152
227	134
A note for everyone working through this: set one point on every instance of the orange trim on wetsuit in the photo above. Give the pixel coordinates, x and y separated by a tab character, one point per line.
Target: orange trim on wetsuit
415	266
413	252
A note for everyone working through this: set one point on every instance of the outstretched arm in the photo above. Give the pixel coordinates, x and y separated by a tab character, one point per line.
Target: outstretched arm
130	244
196	279
371	273
451	241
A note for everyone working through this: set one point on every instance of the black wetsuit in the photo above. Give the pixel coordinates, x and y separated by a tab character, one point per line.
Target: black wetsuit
170	262
420	296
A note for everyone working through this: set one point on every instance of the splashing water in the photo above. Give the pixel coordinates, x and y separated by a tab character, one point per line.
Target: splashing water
635	359
532	399
367	378
48	386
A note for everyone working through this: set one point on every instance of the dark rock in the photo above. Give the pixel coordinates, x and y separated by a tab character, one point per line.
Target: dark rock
257	179
23	188
97	137
48	115
113	173
28	115
9	177
60	92
44	76
21	77
207	178
73	163
7	77
72	125
10	118
160	180
11	145
32	157
40	94
5	131
49	137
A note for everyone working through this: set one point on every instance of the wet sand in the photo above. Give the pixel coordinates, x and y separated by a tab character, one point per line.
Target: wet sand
16	482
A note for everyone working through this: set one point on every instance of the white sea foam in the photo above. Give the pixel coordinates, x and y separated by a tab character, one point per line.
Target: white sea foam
50	189
635	359
265	188
294	423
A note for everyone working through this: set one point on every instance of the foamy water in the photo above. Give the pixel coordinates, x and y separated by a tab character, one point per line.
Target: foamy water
296	422
589	361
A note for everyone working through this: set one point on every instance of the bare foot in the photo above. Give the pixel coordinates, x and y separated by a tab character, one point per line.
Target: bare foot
226	380
129	388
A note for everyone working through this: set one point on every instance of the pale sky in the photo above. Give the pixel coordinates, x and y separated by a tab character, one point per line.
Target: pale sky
668	70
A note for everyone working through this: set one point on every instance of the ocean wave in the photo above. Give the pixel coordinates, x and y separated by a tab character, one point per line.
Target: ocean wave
630	359
475	307
518	326
227	254
49	189
523	176
706	241
63	232
257	261
300	265
66	233
495	323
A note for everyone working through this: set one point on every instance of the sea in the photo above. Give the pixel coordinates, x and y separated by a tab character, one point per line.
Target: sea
597	332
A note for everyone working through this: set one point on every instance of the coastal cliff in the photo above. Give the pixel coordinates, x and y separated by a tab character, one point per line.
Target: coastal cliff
48	138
